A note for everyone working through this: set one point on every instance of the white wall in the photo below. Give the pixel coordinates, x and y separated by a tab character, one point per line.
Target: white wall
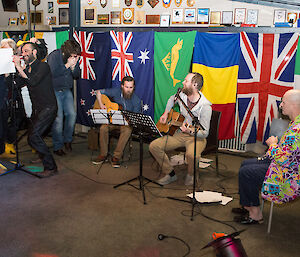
265	17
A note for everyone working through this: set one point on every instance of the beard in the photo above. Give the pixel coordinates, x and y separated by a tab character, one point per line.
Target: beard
126	95
187	90
29	59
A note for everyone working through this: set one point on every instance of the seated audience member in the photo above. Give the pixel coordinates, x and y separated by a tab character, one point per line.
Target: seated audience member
281	160
129	101
184	136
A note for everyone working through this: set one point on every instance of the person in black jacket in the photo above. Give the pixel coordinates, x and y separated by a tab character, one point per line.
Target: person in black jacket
36	75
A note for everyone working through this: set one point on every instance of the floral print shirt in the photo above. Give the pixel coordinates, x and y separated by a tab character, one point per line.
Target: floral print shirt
282	180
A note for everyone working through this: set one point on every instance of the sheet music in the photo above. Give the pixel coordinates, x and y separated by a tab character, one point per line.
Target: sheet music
101	116
142	122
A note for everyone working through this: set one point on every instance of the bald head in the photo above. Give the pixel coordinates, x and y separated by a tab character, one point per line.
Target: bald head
294	96
290	104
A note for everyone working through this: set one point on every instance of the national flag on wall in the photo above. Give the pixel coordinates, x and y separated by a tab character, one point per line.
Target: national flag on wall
266	72
54	40
95	64
172	62
216	58
17	35
132	55
297	67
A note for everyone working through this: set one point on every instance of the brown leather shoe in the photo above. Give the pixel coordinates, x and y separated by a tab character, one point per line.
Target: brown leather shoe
46	173
115	162
100	158
68	147
60	152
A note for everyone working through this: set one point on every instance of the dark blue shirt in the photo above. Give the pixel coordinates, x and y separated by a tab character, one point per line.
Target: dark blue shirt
63	78
115	94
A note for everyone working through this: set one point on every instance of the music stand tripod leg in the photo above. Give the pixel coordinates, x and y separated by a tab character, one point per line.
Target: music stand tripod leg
193	200
140	178
18	165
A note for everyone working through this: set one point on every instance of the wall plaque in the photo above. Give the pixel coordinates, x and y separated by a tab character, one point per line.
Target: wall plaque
103	3
128	15
152	19
89	15
103	19
115	17
139	3
153	3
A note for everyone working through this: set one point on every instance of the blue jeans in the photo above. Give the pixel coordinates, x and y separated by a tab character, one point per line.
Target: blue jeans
63	126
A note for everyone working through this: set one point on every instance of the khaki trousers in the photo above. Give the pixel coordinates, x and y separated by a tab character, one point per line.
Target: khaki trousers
160	146
125	132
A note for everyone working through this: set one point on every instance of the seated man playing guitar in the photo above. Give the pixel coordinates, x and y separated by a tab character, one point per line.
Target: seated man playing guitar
192	103
128	101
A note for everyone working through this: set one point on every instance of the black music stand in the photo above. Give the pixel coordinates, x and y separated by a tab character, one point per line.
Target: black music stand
142	124
18	165
112	117
196	124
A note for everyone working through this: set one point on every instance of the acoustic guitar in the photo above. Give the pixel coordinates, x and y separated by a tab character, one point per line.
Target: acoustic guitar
174	121
108	104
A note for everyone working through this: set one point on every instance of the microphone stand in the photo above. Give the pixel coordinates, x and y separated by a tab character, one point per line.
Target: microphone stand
18	165
195	124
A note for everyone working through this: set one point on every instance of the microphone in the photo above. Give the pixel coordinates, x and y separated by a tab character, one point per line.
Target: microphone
161	237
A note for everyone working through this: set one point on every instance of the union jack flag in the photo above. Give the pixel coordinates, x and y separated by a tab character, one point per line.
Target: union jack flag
85	42
266	72
122	43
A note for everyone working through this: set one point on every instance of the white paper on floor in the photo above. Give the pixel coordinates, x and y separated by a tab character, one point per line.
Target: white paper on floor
178	159
210	197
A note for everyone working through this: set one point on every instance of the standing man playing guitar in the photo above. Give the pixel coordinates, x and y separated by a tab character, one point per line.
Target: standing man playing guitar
200	107
129	101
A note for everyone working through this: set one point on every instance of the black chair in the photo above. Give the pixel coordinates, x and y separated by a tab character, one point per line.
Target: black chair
212	145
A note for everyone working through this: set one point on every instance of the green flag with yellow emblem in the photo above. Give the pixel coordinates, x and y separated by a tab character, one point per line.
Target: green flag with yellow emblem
172	61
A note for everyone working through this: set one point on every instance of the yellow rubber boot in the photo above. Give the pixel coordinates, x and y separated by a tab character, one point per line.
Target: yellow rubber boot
10	149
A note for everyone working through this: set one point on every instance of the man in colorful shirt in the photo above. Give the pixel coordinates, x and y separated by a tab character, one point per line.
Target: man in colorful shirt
279	168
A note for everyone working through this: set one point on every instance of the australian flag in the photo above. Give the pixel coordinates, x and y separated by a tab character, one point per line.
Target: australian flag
95	65
132	55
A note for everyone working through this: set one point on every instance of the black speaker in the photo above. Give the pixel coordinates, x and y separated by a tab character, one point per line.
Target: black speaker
10	5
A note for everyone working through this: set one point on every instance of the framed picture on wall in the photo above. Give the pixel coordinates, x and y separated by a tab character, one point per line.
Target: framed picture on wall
63	17
215	17
13	21
115	17
252	16
103	19
203	16
50	7
177	16
89	15
279	15
292	17
190	16
36	17
239	15
227	17
165	20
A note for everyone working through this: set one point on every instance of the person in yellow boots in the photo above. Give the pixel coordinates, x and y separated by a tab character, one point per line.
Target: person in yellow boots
10	149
